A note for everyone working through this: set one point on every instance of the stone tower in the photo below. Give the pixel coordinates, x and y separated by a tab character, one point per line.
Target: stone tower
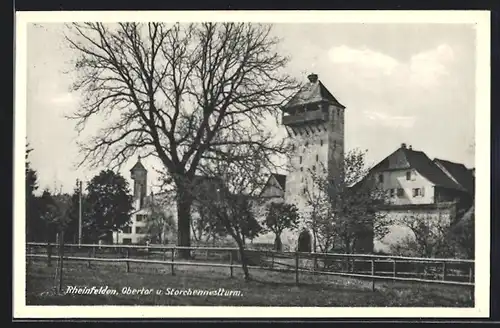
139	174
314	120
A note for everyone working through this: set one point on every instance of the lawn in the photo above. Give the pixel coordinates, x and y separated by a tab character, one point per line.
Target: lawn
266	288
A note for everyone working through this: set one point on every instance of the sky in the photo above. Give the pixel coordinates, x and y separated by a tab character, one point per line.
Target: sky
400	83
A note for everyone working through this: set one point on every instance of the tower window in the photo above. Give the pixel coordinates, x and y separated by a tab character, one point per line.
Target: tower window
408	175
300	160
321	142
317	157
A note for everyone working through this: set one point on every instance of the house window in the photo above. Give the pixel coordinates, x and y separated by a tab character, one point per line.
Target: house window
301	169
392	192
317	157
408	175
314	167
380	178
127	241
418	192
127	230
140	230
140	217
307	143
401	192
300	160
321	142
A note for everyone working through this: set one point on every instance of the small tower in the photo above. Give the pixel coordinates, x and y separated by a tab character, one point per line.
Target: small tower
314	120
139	174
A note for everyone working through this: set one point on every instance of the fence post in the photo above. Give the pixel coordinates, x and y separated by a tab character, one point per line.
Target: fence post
60	264
127	261
231	262
297	268
173	257
373	275
164	255
394	268
89	255
472	289
444	271
272	259
49	254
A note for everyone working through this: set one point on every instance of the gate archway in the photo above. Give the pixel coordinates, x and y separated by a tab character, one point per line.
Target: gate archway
305	242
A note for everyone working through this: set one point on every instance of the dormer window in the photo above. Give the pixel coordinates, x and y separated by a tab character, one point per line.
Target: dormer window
408	175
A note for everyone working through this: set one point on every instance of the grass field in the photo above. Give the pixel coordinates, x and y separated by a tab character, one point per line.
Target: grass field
266	289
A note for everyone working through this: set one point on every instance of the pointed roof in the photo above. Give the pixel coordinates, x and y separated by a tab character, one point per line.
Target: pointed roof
459	172
405	158
138	166
313	92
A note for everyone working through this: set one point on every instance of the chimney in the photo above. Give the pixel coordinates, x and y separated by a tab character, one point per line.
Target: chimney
313	78
403	145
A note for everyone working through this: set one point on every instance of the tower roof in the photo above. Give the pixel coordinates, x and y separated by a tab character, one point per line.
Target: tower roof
313	92
138	166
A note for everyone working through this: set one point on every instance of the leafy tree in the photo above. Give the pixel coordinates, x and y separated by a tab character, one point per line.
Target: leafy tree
31	206
343	206
159	223
182	93
109	205
54	210
281	216
429	236
204	225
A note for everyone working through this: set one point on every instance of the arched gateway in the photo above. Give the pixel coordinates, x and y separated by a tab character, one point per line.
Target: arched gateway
304	242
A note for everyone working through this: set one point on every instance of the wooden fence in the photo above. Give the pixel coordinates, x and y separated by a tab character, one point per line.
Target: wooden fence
458	272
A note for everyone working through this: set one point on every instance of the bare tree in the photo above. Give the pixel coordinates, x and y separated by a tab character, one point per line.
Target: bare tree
343	206
232	205
180	93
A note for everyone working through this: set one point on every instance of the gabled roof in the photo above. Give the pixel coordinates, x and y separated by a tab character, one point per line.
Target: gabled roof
281	178
313	92
405	158
459	172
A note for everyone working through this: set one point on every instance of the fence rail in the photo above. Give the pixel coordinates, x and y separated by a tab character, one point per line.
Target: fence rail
306	263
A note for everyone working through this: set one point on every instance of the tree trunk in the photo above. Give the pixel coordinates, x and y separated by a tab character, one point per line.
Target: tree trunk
277	243
184	203
244	262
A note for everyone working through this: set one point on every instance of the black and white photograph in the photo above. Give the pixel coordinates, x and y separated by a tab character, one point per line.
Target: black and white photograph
283	164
